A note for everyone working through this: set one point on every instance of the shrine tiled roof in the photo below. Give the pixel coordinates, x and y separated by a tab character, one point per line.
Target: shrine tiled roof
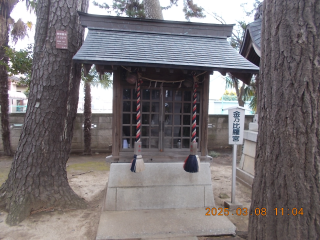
162	44
161	50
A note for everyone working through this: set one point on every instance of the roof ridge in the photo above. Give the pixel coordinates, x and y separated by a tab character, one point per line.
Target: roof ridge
156	33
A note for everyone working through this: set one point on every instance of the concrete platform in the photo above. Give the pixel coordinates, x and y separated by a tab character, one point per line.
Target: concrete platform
164	223
244	177
163	201
245	171
160	186
174	238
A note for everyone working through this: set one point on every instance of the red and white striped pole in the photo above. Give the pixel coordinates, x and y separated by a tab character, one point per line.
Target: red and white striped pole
192	162
137	164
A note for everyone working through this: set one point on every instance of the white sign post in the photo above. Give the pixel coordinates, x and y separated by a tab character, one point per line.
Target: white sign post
236	130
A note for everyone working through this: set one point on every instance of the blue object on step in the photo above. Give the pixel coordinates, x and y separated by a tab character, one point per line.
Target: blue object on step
191	164
133	163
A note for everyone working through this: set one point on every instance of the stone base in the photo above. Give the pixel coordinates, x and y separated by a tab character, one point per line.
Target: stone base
245	171
244	178
253	126
232	206
159	186
250	135
163	201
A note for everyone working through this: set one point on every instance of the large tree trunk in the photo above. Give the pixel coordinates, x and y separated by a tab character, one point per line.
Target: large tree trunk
73	98
4	103
38	177
287	165
256	91
239	92
153	9
5	10
87	118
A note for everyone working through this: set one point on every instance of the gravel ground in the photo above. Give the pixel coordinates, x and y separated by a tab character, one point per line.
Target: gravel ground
88	176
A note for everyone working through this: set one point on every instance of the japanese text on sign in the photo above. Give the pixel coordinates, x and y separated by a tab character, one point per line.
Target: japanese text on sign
236	126
62	39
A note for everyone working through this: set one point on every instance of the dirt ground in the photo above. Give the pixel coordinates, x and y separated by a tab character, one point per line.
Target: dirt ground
88	176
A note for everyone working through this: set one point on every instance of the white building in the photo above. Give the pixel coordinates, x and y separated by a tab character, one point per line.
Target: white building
17	99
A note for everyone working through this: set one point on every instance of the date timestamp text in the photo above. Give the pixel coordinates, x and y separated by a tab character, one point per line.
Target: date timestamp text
256	212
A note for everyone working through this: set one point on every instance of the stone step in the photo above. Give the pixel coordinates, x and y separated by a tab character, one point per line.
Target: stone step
164	223
174	238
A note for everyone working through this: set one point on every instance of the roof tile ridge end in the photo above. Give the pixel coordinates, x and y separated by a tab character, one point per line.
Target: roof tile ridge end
158	33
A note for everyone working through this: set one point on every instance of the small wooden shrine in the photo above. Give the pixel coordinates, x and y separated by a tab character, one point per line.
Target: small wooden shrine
251	44
168	57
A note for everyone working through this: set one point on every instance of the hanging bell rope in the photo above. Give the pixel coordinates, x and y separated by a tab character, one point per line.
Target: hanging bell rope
192	163
137	164
194	113
138	117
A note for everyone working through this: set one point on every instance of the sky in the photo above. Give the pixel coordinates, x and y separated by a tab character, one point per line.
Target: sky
230	10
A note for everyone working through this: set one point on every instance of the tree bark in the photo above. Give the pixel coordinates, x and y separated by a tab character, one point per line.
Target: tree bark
153	9
240	96
87	118
256	91
5	10
287	165
239	92
38	177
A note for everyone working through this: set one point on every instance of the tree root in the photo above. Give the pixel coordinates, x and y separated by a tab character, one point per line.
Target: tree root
20	210
3	195
42	210
81	173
